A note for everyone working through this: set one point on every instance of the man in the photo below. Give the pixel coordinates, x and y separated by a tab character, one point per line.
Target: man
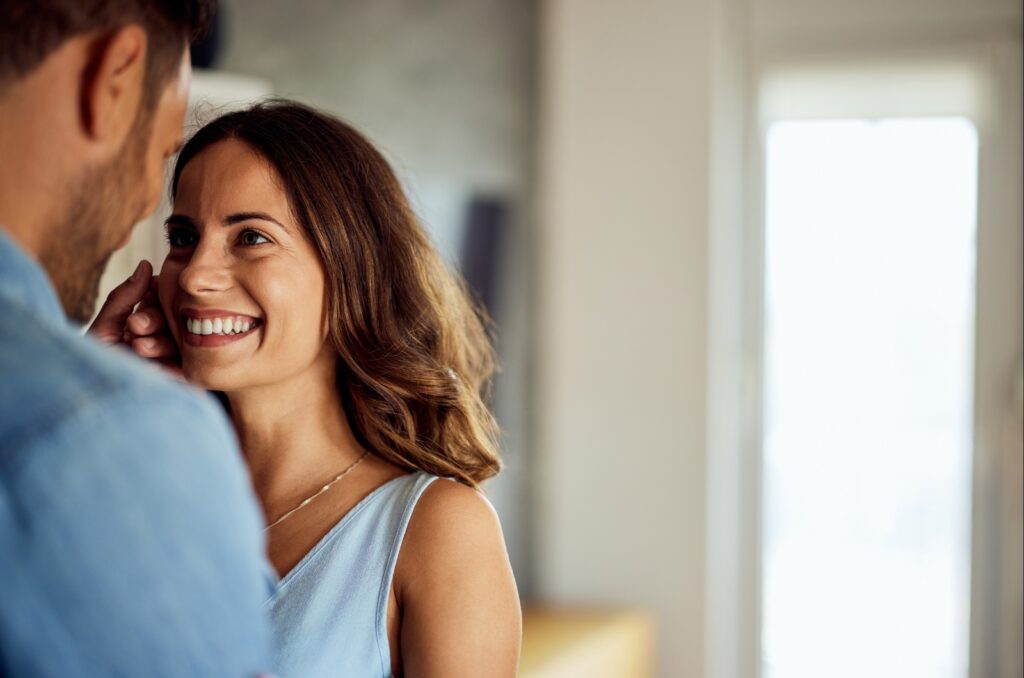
130	541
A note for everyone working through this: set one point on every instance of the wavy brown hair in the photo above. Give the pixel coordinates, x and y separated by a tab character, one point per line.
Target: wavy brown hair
416	359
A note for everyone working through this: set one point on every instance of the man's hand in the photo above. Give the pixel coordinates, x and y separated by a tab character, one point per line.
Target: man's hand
131	316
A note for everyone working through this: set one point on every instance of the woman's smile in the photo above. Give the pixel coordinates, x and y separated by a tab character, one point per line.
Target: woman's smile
210	328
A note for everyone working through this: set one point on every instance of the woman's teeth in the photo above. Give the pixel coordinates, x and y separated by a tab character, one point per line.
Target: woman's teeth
224	326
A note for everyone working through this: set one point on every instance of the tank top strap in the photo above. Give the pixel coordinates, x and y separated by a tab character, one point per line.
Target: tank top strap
405	497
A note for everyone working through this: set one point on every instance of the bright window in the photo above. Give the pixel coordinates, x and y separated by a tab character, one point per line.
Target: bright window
868	398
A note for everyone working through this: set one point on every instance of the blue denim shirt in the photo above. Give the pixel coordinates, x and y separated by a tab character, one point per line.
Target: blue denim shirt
130	540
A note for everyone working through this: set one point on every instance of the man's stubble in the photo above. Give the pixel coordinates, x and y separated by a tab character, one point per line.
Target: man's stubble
103	208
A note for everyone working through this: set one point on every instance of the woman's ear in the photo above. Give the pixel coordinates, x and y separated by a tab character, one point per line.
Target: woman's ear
112	85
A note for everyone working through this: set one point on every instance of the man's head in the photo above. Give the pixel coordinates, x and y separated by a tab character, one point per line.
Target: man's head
92	100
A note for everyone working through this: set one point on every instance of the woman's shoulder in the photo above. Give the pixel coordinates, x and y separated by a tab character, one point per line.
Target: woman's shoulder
453	526
447	499
449	511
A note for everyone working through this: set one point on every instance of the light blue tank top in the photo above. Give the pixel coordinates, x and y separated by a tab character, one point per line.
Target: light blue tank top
329	613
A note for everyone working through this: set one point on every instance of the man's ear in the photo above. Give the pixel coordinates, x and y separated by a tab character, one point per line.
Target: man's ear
112	85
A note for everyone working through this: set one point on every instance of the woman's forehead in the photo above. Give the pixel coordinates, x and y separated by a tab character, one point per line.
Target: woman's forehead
230	176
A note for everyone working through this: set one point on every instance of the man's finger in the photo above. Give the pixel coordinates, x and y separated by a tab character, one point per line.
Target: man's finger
160	348
146	322
152	297
110	321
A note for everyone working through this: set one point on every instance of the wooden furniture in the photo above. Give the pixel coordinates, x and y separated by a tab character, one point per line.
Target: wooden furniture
586	643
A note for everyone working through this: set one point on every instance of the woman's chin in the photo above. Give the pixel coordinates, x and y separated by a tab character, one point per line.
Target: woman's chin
208	379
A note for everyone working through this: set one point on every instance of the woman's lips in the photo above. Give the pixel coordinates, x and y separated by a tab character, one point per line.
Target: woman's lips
214	340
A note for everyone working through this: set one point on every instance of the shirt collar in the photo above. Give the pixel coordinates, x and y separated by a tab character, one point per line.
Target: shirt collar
23	280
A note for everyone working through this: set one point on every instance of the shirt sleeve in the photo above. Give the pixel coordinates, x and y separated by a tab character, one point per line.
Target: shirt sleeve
132	543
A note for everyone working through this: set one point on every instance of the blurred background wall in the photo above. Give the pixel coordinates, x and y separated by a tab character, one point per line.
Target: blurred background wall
624	148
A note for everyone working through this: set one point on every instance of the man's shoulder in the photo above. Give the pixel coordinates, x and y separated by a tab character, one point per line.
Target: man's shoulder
53	377
87	425
129	535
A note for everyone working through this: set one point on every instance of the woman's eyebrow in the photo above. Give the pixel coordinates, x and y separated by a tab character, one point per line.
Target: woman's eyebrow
179	220
250	216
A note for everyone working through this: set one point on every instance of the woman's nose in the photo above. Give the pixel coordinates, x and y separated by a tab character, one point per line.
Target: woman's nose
207	271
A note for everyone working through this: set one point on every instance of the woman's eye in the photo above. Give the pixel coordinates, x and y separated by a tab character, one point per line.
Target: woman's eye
253	238
181	237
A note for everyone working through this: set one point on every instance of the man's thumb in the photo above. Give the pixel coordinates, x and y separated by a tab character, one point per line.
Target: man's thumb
109	324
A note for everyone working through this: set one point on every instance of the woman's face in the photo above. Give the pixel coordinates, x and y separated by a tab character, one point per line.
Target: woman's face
242	286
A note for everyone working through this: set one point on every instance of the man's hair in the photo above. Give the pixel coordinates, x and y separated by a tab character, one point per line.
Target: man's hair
30	30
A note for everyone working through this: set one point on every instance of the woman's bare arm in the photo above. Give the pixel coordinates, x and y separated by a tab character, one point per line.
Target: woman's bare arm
460	613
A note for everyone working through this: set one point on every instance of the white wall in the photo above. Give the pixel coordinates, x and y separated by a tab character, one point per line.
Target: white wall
622	247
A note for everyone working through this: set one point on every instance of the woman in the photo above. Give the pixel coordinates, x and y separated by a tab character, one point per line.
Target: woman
300	287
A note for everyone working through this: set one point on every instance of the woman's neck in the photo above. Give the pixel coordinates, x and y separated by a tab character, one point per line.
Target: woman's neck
295	437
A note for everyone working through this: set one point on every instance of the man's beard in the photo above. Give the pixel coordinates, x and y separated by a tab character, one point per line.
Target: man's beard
101	211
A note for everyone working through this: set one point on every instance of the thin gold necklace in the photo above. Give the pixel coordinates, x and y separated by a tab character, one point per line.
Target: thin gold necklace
307	500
